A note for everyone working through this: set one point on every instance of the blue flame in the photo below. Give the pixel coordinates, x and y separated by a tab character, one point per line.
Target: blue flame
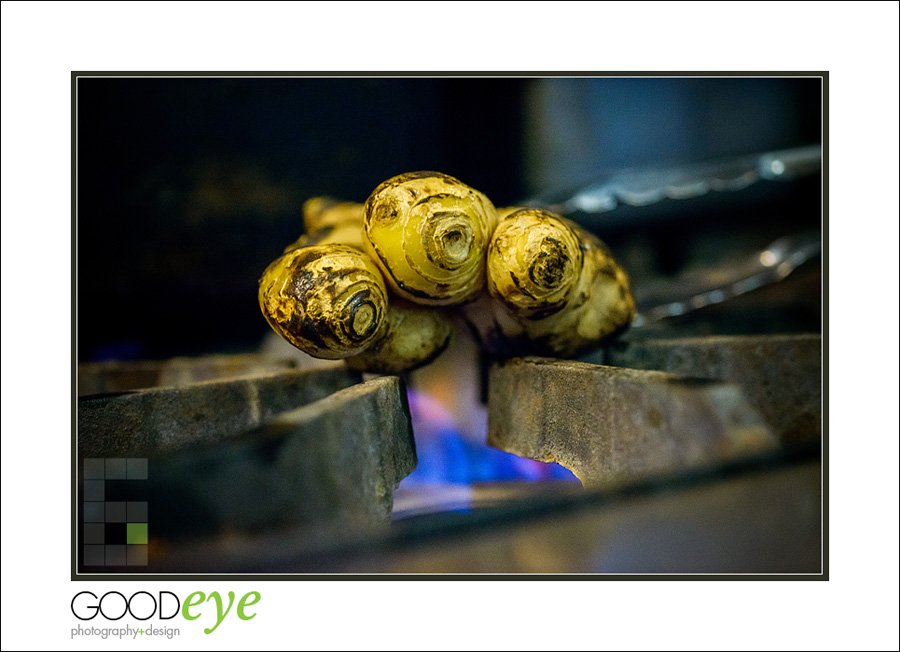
448	455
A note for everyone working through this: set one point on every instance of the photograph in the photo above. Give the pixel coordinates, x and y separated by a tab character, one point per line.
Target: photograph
449	325
457	326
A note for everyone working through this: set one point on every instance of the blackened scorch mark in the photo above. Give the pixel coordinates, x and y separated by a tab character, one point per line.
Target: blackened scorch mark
306	256
549	268
400	284
515	280
306	328
304	282
546	310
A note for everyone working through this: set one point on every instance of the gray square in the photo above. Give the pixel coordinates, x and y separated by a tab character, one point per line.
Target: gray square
93	468
94	532
94	490
115	468
93	555
115	512
136	512
137	555
94	512
115	556
136	468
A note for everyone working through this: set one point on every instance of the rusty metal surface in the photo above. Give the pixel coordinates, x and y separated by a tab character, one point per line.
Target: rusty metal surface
150	421
781	375
611	425
119	376
322	472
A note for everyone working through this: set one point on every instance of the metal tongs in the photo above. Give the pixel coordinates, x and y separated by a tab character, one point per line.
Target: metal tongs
661	299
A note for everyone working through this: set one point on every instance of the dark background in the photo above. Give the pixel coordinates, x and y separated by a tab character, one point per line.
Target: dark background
189	187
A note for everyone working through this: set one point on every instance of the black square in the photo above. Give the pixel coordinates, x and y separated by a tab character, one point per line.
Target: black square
116	533
117	490
115	512
125	490
94	533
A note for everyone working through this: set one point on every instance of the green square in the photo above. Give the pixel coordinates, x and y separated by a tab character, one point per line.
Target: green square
136	533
